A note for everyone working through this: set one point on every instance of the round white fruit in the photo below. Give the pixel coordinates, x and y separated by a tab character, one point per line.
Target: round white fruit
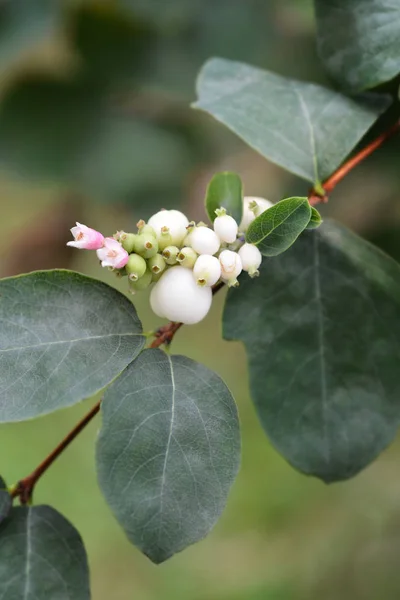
204	240
249	214
169	222
177	297
231	265
207	270
251	258
226	228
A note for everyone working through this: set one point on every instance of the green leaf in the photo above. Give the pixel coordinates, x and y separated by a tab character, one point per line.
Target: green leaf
277	228
321	329
225	190
315	220
42	557
168	451
359	41
24	23
305	128
63	337
5	500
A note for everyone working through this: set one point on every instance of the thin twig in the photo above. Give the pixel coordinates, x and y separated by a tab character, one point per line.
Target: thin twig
316	196
24	488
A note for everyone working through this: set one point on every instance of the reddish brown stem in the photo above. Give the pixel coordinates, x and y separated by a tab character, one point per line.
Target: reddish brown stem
329	185
24	488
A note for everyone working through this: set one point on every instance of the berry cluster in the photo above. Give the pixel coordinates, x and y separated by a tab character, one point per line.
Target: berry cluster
182	258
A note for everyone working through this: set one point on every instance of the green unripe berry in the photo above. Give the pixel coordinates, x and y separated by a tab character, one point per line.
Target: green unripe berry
170	253
127	241
142	283
146	245
156	276
165	238
135	267
187	257
156	264
143	228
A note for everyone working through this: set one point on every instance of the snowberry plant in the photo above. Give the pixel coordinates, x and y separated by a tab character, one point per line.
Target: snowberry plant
316	307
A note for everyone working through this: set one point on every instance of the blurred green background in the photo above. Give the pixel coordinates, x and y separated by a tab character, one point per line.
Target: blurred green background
96	126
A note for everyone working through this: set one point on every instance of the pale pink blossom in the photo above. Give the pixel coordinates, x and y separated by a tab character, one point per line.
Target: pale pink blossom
112	254
86	238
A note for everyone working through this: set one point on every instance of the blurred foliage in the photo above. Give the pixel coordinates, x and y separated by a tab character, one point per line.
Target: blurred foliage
123	62
131	141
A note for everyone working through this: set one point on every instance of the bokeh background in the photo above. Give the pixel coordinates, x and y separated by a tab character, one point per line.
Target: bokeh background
96	126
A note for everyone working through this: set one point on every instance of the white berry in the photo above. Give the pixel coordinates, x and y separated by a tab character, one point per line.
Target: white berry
258	206
251	258
170	226
207	270
204	240
155	303
226	228
177	297
231	266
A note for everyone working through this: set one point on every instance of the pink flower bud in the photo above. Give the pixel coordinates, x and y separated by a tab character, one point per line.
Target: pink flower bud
86	238
112	254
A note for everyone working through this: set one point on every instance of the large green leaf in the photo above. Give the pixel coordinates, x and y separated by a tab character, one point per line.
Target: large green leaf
168	451
63	337
359	40
5	500
42	557
225	191
321	328
24	23
305	128
277	228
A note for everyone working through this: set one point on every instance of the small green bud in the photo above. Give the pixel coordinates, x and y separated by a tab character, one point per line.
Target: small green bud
220	212
143	228
187	257
170	253
156	276
156	264
142	283
146	245
120	272
135	267
165	238
127	241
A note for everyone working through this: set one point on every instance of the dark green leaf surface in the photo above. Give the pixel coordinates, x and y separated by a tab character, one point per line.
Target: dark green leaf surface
63	337
24	23
315	220
321	328
277	228
225	190
42	557
358	40
305	128
5	500
168	451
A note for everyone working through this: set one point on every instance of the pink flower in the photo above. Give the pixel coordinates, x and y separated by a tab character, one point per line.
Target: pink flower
86	238
112	254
